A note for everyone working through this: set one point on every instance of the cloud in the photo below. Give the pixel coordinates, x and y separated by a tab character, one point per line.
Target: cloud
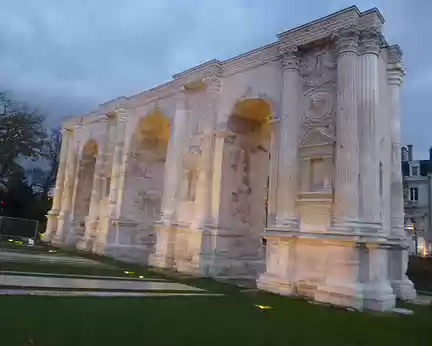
68	56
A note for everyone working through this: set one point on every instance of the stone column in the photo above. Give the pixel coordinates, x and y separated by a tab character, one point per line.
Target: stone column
204	186
117	163
273	186
163	255
279	274
58	192
395	75
398	261
368	100
64	218
286	217
346	192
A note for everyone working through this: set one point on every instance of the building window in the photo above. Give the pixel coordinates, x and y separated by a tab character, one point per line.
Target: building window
415	171
404	154
413	194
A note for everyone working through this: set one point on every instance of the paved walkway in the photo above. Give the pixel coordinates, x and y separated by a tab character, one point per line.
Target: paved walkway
9	256
56	282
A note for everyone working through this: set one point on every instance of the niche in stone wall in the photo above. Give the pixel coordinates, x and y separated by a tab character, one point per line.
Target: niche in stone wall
316	164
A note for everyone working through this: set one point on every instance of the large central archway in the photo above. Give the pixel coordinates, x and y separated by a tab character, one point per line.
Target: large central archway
245	172
145	179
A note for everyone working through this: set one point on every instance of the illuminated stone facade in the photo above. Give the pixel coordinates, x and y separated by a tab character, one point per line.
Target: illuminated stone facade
296	143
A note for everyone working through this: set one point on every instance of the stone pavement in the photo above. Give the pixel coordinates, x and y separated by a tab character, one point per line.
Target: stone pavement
20	281
59	284
10	256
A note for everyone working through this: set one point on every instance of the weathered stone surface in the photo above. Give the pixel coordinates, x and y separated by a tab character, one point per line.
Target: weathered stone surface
294	146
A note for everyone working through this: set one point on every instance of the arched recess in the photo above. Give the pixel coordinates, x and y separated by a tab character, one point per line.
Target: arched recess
245	175
145	172
85	183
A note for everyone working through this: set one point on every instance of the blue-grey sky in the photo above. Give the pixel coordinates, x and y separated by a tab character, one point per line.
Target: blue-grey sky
67	56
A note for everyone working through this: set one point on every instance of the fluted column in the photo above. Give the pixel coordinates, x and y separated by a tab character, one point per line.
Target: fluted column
68	189
174	156
117	162
286	216
346	193
61	173
398	259
274	165
64	218
395	75
368	99
58	192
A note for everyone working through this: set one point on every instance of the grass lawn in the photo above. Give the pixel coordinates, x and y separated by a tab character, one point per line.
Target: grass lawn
229	320
233	319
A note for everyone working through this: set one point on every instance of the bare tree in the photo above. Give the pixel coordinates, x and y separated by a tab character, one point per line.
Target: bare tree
45	178
22	134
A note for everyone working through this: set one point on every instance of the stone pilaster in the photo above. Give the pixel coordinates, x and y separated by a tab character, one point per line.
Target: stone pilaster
398	257
64	218
118	163
52	216
97	189
204	188
274	166
286	216
163	255
368	100
346	192
174	156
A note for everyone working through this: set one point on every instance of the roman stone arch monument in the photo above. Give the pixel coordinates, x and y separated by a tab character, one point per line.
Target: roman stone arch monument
281	165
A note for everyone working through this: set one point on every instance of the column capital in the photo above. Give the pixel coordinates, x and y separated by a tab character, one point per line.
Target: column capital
346	40
103	118
65	131
395	74
288	56
122	114
394	54
370	40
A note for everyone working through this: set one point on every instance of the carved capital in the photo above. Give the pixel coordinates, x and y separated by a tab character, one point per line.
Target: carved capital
370	40
395	74
394	54
289	58
122	114
65	132
346	40
102	118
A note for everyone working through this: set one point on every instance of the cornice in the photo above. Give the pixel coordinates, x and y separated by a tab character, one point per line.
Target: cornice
302	35
209	68
153	94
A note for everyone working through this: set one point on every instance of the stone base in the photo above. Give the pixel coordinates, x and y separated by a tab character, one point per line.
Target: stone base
160	261
249	268
72	238
275	284
404	289
57	240
128	253
347	295
357	296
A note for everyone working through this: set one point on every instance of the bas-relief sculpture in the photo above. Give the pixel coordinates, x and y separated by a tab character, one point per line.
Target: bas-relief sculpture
295	143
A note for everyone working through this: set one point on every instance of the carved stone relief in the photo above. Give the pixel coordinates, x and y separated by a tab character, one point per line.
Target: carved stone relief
318	67
318	70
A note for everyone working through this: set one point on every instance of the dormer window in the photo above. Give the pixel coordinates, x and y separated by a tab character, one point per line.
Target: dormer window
415	169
